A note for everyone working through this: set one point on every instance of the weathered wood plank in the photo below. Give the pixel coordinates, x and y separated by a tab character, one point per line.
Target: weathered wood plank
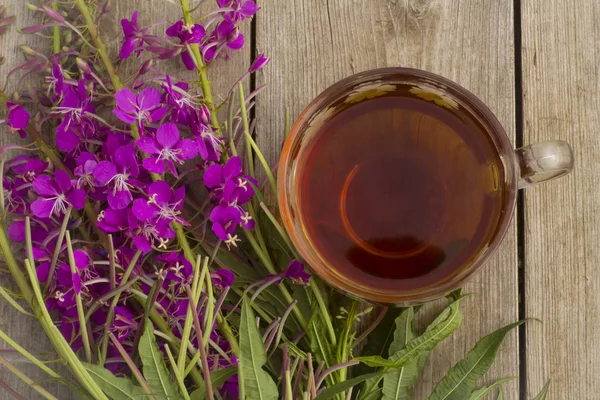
315	43
223	74
560	83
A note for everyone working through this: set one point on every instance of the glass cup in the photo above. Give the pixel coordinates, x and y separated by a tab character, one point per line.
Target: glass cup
522	168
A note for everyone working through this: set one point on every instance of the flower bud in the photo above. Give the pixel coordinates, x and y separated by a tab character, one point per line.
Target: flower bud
28	50
146	66
55	15
83	66
32	29
32	7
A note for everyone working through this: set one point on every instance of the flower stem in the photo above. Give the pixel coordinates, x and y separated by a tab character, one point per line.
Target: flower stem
80	314
26	379
100	46
15	270
204	82
246	125
55	33
324	312
61	236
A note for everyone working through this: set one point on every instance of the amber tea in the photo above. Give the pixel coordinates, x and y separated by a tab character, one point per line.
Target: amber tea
400	191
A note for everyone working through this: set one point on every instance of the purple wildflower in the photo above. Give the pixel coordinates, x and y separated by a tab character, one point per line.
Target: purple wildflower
145	107
222	278
133	36
17	119
167	148
228	183
76	125
119	176
187	34
226	34
295	273
225	221
55	195
209	145
240	9
56	81
123	323
259	62
163	204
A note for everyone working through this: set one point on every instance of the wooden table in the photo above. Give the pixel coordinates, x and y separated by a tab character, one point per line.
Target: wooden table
536	64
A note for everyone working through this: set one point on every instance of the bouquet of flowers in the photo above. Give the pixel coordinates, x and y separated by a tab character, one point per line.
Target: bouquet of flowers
136	227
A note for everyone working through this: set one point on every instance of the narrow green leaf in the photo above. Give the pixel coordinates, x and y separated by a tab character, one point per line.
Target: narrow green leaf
397	384
463	376
480	393
542	395
341	387
217	378
4	293
115	388
376	361
255	383
500	394
155	369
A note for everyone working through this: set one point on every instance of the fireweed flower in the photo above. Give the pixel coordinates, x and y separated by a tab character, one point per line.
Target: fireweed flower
228	183
55	81
143	108
17	119
226	35
240	9
166	148
76	126
209	145
182	104
178	269
187	34
56	195
86	163
133	37
295	273
260	62
123	324
119	176
162	204
222	278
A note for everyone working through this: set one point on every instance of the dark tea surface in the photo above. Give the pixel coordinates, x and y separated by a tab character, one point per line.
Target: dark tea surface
397	192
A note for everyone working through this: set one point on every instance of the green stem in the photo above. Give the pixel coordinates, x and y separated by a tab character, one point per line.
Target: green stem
26	379
100	46
80	314
324	312
55	33
28	355
204	82
15	270
246	125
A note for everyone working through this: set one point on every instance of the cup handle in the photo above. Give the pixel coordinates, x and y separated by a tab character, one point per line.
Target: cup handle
543	162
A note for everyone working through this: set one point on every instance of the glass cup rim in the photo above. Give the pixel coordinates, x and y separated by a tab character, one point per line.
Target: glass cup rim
476	108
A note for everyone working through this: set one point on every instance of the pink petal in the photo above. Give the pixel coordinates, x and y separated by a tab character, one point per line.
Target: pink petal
189	149
44	186
232	168
154	164
142	244
147	145
82	260
158	114
126	101
104	172
63	180
42	271
123	116
162	192
66	140
127	48
167	135
17	231
119	199
42	208
77	199
213	176
144	211
148	98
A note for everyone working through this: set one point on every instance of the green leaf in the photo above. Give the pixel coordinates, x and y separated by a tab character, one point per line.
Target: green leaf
115	388
217	378
341	387
431	338
376	361
480	393
397	384
463	376
500	394
155	369
542	395
254	381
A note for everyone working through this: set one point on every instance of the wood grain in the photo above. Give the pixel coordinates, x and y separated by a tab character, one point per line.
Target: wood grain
25	330
314	43
560	92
